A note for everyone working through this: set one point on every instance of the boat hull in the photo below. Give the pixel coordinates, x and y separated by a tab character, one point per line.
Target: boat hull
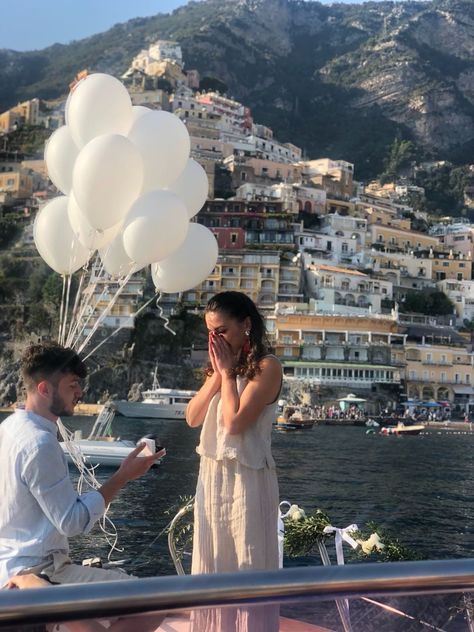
144	410
103	453
404	430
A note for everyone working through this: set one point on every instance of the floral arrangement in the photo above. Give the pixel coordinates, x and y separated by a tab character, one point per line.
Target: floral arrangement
303	533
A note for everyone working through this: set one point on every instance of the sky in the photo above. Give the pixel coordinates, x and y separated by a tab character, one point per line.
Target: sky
35	24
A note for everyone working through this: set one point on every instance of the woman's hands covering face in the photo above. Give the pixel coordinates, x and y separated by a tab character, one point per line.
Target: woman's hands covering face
220	352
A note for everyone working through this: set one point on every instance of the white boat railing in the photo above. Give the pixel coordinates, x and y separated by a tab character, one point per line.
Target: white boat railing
189	592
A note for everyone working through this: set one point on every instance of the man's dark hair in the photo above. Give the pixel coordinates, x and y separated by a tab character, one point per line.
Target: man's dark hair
49	361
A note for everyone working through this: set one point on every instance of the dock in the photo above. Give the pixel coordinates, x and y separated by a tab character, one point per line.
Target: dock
81	409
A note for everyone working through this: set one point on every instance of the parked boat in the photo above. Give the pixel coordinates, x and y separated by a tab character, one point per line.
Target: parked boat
401	429
158	403
295	417
371	423
100	447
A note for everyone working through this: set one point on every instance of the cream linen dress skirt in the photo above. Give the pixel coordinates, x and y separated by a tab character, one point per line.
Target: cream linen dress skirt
235	528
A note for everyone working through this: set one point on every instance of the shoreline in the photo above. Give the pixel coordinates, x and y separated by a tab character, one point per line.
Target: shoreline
82	410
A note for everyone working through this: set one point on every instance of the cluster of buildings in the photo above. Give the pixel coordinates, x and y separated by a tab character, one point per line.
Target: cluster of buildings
329	261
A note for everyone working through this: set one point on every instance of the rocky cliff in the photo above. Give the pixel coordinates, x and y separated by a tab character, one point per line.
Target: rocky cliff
341	80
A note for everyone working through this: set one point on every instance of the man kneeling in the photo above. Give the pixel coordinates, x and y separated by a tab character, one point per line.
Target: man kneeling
40	508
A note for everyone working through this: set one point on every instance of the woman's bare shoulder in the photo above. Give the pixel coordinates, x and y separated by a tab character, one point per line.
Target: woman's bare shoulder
270	363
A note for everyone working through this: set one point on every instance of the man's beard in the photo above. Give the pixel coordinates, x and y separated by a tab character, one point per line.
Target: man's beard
58	407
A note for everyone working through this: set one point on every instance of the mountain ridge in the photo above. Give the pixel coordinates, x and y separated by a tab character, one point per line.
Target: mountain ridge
343	80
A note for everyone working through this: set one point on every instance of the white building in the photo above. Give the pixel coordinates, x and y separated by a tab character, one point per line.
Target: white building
345	291
461	294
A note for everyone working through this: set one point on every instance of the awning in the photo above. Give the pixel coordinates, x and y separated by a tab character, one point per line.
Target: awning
463	390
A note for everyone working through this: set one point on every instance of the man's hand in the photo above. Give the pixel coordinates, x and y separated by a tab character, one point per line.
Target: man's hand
28	580
135	466
132	468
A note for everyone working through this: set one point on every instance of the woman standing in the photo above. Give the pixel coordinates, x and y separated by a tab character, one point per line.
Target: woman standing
236	506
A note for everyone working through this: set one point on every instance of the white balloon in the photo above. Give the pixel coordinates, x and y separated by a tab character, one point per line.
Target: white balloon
190	264
107	178
100	104
60	155
192	187
156	225
55	239
138	111
115	260
164	144
90	237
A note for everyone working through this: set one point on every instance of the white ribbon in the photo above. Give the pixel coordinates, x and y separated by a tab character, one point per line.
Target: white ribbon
342	535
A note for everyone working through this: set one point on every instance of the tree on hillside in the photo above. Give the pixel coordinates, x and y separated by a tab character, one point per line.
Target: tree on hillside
213	84
429	302
400	156
9	231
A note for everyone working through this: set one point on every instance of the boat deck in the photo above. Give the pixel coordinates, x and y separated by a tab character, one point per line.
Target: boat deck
181	623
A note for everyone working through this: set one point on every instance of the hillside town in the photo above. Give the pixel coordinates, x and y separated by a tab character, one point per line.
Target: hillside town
362	291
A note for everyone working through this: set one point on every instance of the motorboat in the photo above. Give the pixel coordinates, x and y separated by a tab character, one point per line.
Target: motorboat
157	403
294	417
371	423
100	447
401	429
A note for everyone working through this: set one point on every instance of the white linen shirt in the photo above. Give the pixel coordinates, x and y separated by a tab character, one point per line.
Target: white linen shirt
39	507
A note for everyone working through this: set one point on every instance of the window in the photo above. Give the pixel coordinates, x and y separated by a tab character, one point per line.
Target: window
467	378
345	247
233	238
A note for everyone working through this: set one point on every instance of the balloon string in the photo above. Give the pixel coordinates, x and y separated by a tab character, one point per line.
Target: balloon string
119	328
161	315
66	308
61	309
86	299
76	305
82	324
106	311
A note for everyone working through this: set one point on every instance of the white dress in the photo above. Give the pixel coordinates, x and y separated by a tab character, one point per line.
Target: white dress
236	513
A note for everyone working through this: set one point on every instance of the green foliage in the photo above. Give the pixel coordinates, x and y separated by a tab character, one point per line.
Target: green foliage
39	319
400	156
9	232
302	536
214	84
52	290
432	303
444	188
27	140
182	532
302	73
13	277
393	550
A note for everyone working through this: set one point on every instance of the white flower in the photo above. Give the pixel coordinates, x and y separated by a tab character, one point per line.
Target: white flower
296	513
371	543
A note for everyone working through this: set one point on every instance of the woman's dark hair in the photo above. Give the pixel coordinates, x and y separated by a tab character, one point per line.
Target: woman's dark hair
47	361
239	306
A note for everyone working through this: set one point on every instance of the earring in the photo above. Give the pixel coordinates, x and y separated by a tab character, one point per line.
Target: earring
246	345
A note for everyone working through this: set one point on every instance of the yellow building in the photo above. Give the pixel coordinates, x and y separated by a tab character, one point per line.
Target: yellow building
400	239
446	266
337	354
439	372
15	184
23	113
255	273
